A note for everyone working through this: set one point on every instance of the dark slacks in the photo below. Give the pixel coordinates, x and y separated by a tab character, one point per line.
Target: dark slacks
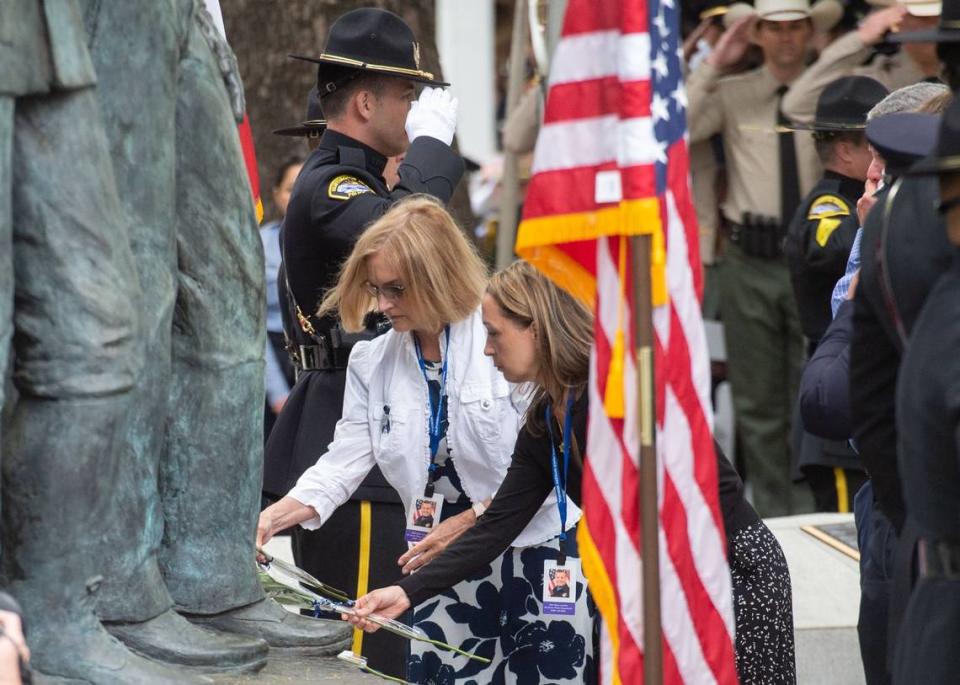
877	539
356	551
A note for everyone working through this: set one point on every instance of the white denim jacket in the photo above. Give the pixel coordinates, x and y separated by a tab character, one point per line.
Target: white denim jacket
484	414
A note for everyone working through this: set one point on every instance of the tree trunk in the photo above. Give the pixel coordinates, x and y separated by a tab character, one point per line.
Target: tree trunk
263	34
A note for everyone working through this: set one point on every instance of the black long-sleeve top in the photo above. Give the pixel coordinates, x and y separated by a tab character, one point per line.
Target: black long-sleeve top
825	384
528	482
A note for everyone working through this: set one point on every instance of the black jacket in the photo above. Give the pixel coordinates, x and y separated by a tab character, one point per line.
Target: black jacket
825	384
903	251
818	244
340	192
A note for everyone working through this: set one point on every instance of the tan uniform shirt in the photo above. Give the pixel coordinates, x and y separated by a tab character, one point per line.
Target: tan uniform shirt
845	57
744	109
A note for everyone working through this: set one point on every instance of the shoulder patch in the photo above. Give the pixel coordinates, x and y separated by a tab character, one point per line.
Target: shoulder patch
828	211
344	187
827	206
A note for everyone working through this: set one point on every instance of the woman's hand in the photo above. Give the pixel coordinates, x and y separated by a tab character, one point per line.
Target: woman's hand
438	539
264	531
280	516
388	602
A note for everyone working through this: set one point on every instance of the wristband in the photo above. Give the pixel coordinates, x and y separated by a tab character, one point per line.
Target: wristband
479	508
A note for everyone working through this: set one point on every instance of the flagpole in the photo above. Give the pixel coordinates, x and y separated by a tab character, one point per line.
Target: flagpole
510	182
649	507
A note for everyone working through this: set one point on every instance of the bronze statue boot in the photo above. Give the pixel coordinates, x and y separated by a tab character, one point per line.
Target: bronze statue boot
172	639
282	629
57	459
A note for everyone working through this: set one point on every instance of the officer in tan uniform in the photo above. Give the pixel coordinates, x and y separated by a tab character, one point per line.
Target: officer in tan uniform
851	55
767	174
706	168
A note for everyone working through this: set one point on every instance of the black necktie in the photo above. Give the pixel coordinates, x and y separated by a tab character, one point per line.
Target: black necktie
789	181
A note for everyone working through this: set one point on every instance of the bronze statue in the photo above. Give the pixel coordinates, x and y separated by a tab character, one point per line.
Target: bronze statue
131	285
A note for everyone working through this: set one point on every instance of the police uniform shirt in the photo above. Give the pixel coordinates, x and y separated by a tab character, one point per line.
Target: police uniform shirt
339	192
846	56
744	109
818	244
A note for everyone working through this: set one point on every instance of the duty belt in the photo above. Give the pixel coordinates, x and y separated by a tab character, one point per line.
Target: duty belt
758	236
331	352
313	358
938	559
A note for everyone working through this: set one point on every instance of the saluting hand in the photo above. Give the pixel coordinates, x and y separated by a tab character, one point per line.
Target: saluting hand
434	114
388	602
436	541
733	44
876	25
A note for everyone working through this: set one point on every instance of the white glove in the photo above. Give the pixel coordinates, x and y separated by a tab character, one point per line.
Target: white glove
434	115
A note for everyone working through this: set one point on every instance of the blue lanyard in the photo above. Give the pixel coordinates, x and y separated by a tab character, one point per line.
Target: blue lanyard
558	485
436	412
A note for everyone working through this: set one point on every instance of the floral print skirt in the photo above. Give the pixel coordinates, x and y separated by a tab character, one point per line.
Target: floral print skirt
498	614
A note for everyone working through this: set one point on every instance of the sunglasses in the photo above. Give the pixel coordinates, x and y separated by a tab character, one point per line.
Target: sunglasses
391	293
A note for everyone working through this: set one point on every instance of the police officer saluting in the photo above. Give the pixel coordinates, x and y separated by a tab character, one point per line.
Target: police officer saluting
366	81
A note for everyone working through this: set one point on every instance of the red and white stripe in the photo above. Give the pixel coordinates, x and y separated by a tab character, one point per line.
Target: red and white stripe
598	118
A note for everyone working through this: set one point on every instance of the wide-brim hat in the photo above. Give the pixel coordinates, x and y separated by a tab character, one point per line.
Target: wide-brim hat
945	157
843	105
903	138
823	14
374	40
918	8
313	125
947	32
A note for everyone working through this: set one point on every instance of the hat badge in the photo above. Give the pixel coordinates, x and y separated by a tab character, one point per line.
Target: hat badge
416	54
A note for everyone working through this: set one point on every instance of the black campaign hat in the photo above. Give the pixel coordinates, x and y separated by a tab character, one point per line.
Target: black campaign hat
313	125
843	105
945	157
371	39
947	32
903	138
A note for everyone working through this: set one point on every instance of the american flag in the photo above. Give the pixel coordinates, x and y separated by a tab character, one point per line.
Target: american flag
611	161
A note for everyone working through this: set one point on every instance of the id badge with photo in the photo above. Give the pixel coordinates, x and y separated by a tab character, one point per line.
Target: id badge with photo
425	515
560	587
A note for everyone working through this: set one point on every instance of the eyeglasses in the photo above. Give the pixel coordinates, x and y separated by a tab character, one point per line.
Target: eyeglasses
391	293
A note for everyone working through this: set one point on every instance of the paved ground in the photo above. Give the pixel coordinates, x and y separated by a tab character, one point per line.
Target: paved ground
303	671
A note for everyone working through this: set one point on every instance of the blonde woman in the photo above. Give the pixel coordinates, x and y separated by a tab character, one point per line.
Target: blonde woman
427	406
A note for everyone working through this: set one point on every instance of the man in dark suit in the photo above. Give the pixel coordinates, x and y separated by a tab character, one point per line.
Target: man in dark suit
928	423
901	251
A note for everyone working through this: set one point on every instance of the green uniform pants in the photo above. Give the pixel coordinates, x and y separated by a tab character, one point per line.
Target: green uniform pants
764	358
